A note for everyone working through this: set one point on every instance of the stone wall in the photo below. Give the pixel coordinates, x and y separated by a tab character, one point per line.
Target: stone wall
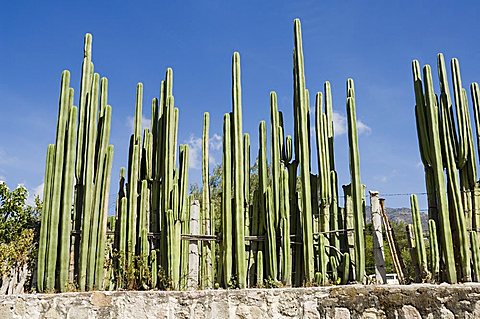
353	301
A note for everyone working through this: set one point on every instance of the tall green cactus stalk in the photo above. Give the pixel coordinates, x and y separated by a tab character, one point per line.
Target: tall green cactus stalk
132	206
86	160
345	266
185	245
475	94
301	111
425	144
475	256
427	108
265	214
85	277
412	247
56	190
275	151
154	268
239	174
354	158
324	183
143	226
454	189
43	240
248	210
67	199
102	229
259	270
227	244
184	210
271	237
335	221
420	250
323	154
97	234
102	136
173	247
123	238
166	154
285	228
80	172
434	252
207	262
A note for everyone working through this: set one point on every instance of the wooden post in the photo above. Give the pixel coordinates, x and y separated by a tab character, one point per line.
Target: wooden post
193	257
394	250
380	272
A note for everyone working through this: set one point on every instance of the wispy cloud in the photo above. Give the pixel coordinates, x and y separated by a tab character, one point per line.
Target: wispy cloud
215	142
340	125
36	191
382	179
195	150
387	177
146	123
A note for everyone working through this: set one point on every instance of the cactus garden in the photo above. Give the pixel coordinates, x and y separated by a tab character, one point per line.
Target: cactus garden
275	214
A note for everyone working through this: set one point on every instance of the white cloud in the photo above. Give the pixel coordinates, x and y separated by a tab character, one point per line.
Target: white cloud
363	128
340	125
382	179
215	142
195	150
146	123
36	191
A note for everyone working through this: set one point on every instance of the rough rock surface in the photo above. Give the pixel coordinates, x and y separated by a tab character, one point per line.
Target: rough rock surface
336	302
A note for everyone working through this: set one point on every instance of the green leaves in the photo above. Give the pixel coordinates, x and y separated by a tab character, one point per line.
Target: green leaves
15	215
18	222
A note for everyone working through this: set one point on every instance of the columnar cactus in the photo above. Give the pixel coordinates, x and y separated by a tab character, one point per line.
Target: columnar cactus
207	262
356	183
279	222
434	252
238	172
86	163
301	108
446	142
227	244
430	145
420	250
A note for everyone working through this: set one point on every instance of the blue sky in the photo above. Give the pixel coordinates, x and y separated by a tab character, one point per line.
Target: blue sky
371	41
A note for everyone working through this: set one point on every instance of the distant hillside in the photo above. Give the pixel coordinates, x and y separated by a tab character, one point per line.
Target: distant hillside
403	214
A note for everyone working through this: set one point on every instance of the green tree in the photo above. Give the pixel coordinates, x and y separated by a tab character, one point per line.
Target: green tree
402	242
19	225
